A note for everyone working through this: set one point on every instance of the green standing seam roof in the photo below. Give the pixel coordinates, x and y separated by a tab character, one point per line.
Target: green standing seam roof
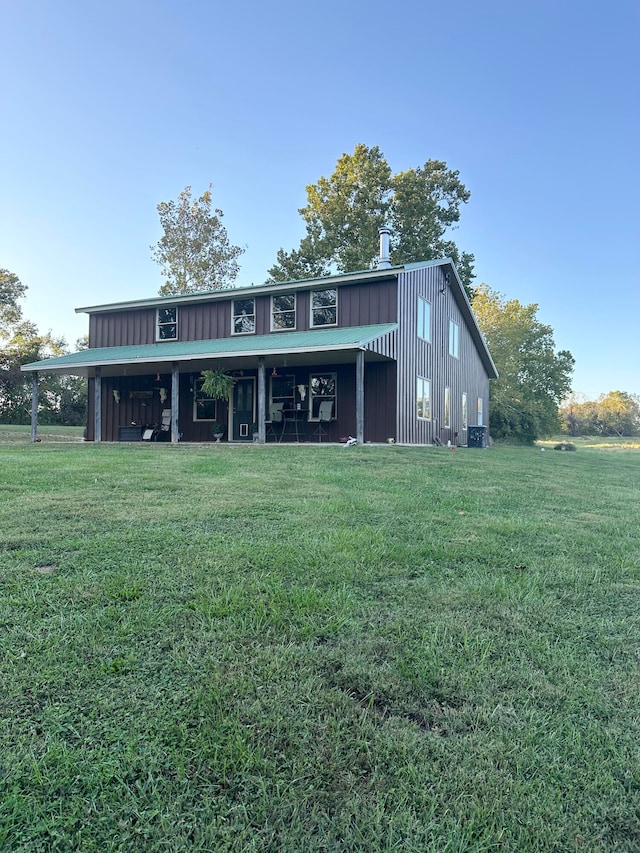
347	337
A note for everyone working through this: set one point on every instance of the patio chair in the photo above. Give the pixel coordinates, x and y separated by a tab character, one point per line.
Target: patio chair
325	412
274	427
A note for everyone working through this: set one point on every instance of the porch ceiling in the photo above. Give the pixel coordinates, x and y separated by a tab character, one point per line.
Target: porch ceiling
336	344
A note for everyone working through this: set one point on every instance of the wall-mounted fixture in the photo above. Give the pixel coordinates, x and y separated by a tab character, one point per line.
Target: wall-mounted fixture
116	395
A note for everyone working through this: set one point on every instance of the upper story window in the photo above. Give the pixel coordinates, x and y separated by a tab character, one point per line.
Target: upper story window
324	307
167	324
424	319
244	316
283	312
454	339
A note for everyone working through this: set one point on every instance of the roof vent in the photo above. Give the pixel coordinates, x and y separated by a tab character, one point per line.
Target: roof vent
384	261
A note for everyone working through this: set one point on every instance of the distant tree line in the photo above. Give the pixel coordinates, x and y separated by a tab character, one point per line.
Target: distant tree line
614	414
62	399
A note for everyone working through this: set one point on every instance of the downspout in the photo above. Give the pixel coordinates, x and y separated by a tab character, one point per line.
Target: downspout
34	406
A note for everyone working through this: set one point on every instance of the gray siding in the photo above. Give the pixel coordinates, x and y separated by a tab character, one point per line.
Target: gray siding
466	374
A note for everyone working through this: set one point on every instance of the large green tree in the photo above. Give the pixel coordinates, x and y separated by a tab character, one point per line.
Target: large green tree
194	252
345	211
534	376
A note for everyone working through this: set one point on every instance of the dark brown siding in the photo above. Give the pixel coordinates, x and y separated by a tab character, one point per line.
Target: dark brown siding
433	362
358	305
122	328
368	304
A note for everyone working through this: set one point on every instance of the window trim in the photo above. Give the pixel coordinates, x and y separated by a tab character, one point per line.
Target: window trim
196	419
334	396
480	412
422	301
286	311
166	323
446	414
454	338
426	384
465	411
313	325
234	315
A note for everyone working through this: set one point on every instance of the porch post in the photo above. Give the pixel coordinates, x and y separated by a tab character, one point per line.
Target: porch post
175	401
97	414
34	405
261	401
360	396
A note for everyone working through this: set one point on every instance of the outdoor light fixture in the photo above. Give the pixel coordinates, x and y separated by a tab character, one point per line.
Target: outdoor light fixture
274	372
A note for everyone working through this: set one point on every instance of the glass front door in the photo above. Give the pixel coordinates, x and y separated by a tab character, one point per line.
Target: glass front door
242	410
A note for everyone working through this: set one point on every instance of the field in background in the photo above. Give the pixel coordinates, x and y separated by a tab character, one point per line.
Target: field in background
279	648
22	434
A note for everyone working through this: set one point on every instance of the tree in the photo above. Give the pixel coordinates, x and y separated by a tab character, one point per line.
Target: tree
615	413
194	252
11	291
345	211
62	399
534	377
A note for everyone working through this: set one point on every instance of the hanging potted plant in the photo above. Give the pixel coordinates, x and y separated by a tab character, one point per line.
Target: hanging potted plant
216	384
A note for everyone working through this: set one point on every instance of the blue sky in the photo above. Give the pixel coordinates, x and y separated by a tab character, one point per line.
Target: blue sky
110	108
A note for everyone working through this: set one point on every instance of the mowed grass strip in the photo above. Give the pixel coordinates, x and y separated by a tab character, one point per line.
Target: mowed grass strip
318	649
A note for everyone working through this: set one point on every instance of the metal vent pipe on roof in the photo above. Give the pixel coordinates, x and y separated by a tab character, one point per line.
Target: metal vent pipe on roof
384	261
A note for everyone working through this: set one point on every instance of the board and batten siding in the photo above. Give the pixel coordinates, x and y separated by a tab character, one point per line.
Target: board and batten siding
431	360
363	304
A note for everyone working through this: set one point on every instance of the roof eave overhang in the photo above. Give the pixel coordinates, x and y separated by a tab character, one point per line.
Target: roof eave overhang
239	292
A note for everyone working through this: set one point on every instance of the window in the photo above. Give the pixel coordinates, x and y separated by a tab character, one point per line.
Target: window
454	339
283	312
283	390
324	307
423	398
424	319
447	407
244	316
204	408
167	324
322	386
464	410
479	421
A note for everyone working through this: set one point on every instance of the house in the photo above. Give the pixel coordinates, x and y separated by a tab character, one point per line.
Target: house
389	353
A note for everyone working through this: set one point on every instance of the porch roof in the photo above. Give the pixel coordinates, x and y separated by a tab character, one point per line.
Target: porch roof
286	343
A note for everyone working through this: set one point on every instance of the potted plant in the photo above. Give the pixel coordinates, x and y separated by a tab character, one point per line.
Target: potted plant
216	384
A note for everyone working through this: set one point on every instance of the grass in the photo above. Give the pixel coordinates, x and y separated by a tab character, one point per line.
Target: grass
221	648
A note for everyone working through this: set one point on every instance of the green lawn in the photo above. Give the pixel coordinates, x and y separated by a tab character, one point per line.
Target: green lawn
218	648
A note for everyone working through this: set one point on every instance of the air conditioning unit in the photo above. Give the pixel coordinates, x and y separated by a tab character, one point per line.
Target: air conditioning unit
477	436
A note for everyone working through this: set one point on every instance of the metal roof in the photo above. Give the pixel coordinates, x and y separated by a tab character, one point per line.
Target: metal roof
240	292
315	340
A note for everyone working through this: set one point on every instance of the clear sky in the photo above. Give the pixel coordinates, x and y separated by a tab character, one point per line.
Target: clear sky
111	107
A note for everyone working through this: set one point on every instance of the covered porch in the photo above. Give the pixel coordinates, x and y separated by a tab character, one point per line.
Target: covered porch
321	385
